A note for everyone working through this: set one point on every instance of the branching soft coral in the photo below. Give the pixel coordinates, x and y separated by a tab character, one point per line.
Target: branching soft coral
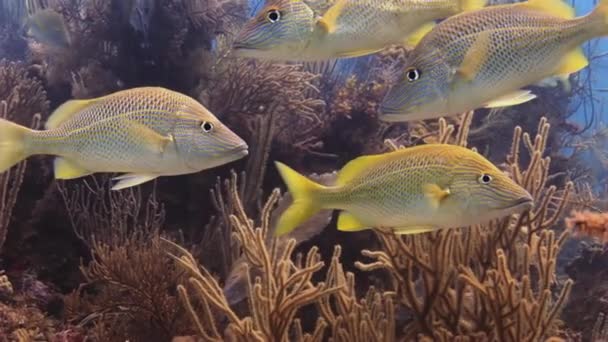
24	95
240	90
281	288
129	291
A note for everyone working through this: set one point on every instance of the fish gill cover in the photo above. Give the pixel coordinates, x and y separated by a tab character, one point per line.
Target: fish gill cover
196	258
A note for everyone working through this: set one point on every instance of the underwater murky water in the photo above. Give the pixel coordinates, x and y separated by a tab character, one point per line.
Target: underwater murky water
317	170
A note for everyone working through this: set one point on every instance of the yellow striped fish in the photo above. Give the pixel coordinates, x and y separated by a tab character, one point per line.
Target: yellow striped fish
144	132
414	190
297	30
485	58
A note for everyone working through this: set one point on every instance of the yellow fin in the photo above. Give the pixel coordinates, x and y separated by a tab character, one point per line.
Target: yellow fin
475	57
556	8
132	179
65	169
330	17
415	38
357	53
574	61
472	5
511	99
435	194
305	203
66	111
12	144
354	167
349	223
152	139
414	230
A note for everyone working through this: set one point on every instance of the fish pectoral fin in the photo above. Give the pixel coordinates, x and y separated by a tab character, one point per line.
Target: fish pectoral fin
435	194
357	53
557	8
414	230
66	111
511	99
65	169
347	222
328	21
413	39
132	179
152	139
474	59
573	62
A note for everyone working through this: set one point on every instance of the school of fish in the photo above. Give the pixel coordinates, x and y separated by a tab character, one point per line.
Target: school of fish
477	56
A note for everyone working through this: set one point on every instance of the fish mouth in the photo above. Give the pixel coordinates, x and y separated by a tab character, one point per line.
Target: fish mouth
243	48
521	204
239	151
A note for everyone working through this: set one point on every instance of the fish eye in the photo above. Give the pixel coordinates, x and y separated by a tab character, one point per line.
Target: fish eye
273	15
412	74
207	126
485	179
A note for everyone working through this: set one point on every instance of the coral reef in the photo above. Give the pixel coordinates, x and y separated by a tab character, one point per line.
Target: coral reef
164	261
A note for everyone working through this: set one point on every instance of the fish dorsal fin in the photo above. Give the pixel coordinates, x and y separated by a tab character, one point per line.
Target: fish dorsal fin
574	61
65	169
66	111
556	8
414	230
349	223
329	19
511	99
472	5
415	38
356	166
473	59
435	194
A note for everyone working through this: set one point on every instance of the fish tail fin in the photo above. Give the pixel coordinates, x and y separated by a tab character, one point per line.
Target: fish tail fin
471	5
12	144
305	199
599	18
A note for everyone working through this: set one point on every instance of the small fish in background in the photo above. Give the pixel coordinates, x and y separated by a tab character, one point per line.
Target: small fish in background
145	132
46	25
301	31
235	288
414	190
485	58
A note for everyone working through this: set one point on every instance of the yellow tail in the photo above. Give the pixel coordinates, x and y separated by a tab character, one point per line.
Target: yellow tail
305	202
472	5
12	144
